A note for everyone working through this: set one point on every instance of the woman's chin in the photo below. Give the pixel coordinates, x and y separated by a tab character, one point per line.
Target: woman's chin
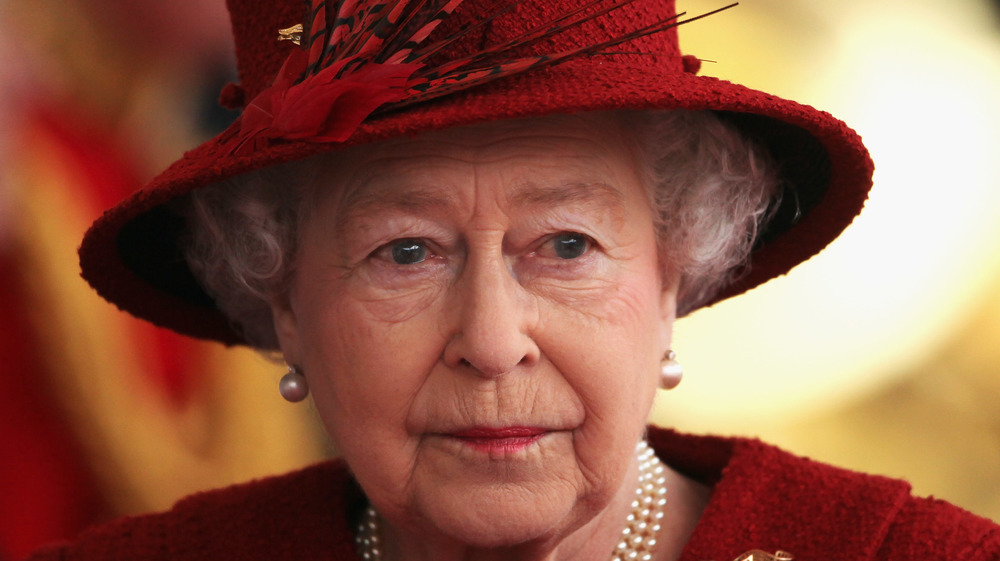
498	530
499	518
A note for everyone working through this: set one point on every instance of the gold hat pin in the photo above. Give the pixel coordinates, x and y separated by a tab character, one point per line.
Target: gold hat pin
293	34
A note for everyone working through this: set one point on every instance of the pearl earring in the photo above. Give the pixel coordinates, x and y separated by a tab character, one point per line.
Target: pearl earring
293	386
671	371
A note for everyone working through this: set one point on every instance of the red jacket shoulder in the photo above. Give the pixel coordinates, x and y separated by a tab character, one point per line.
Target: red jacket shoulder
927	526
768	499
292	516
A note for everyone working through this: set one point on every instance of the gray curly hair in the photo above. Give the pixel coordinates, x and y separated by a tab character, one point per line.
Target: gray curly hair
711	189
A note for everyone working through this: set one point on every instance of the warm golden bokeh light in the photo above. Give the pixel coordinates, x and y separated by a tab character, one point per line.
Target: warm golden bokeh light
882	307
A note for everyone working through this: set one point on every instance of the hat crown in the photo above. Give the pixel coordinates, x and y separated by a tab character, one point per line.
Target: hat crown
260	54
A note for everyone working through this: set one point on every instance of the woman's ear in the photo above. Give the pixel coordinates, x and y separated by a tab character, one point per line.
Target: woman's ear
286	327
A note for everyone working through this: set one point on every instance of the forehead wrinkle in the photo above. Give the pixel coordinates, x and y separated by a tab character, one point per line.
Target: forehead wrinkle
377	179
591	195
412	200
373	199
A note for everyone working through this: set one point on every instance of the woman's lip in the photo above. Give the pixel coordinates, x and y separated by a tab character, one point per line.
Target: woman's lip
480	433
499	441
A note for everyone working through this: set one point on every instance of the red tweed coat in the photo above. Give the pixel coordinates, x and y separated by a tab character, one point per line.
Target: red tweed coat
763	499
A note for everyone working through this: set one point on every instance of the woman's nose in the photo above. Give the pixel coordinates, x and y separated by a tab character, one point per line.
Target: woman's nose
492	319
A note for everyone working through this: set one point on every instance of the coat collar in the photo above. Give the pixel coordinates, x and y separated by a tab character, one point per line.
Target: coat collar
767	499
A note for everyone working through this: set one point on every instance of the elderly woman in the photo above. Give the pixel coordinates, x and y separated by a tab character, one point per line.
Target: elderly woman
468	229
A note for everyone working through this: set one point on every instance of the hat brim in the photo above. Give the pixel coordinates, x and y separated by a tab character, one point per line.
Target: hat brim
130	255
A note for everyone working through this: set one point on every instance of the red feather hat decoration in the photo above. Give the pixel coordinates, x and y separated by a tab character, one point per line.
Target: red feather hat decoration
358	71
373	59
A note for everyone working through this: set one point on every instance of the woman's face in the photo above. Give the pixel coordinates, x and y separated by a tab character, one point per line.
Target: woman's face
480	316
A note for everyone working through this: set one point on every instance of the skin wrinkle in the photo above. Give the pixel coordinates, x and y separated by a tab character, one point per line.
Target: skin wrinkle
396	309
496	332
592	195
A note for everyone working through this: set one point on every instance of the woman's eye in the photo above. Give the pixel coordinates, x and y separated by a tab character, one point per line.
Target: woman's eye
407	252
569	245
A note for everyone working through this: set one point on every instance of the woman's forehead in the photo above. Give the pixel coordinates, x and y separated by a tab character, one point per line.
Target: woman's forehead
529	159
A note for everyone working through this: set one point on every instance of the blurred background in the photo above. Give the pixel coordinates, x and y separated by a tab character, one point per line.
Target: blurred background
881	354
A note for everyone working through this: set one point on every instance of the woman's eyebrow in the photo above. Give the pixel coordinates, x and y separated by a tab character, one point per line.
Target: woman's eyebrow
365	202
591	195
372	201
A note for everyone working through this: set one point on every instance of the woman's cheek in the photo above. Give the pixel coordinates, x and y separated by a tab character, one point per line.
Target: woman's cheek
579	283
607	304
635	303
392	296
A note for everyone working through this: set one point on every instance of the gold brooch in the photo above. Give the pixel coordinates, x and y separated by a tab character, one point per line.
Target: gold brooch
293	34
758	555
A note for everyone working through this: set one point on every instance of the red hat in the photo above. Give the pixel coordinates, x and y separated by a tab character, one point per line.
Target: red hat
369	70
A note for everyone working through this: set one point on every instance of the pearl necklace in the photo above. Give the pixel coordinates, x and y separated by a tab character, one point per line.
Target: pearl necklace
638	536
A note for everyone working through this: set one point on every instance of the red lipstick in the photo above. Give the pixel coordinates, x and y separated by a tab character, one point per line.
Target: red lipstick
499	440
